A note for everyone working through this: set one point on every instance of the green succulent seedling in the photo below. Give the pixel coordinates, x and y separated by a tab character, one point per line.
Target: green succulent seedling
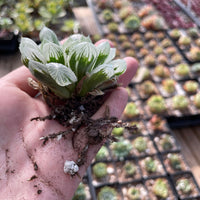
160	188
150	165
184	185
80	193
75	68
107	193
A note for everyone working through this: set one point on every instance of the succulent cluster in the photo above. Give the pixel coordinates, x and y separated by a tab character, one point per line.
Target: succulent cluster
75	68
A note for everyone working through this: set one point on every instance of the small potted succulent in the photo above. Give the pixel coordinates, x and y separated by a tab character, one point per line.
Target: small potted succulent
150	60
146	89
184	41
107	15
176	58
100	170
132	23
180	102
166	142
130	52
122	38
153	22
157	124
175	34
113	27
131	110
118	131
80	193
162	59
168	86
158	50
193	32
166	43
143	52
140	144
102	154
126	45
149	35
194	54
136	36
126	11
184	187
190	86
171	50
152	43
182	70
133	193
162	71
156	104
160	35
160	188
146	10
138	44
121	149
107	192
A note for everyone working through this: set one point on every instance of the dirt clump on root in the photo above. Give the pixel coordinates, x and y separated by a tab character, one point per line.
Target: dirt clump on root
75	114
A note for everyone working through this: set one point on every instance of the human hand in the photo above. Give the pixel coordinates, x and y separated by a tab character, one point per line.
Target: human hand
30	170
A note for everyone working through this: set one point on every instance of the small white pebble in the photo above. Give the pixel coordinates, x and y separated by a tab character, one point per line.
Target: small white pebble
70	167
59	137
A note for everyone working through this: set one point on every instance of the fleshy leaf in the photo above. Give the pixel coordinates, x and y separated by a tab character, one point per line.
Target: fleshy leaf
30	51
111	55
81	58
40	71
73	40
99	75
61	74
53	53
48	35
103	52
119	66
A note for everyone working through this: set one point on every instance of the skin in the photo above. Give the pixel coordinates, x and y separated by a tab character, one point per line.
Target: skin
20	146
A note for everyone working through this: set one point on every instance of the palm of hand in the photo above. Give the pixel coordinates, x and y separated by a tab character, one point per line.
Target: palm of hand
30	170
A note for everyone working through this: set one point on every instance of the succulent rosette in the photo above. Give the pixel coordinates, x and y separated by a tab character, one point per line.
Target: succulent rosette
75	68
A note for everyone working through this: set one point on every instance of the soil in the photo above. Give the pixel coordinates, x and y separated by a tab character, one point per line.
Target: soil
75	114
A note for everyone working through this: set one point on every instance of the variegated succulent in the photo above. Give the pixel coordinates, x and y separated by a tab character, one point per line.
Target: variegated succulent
75	68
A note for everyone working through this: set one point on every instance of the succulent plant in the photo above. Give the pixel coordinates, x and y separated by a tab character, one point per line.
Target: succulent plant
80	193
134	193
195	68
139	44
157	123
131	110
190	86
136	36
140	143
129	169
149	35
175	34
106	193
193	32
184	41
166	43
113	27
152	43
107	15
102	154
184	185
194	54
176	58
166	142
132	22
161	71
160	188
118	131
162	59
150	164
126	11
174	161
182	69
121	148
149	60
169	85
156	104
130	52
123	38
148	87
146	10
180	102
100	170
126	45
171	50
70	26
143	51
158	50
160	35
61	68
153	22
